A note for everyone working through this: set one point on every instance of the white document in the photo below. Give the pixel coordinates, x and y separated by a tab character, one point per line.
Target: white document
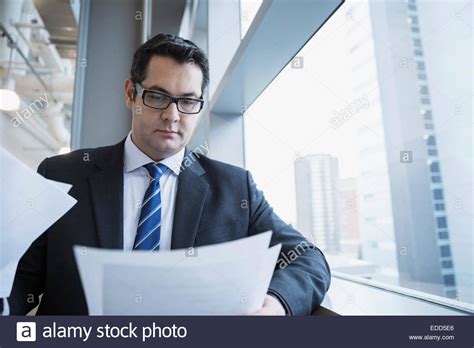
29	205
230	278
61	185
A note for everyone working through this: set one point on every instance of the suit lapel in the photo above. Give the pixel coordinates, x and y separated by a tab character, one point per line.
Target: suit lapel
106	188
190	198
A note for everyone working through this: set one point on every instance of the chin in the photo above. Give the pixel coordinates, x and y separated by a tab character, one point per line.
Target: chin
165	147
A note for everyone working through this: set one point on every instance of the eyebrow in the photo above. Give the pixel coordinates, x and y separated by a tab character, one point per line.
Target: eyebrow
160	89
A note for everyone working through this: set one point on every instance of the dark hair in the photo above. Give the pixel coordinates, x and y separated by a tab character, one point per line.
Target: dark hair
167	45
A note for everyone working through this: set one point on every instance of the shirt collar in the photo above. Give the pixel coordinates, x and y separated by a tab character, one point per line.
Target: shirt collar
134	158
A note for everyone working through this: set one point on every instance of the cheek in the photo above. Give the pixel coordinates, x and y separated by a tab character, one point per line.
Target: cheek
144	119
189	124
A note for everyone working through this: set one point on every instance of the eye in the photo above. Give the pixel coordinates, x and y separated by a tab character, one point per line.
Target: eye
188	102
157	97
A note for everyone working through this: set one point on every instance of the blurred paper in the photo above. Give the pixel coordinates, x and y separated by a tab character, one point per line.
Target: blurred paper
29	205
230	278
7	275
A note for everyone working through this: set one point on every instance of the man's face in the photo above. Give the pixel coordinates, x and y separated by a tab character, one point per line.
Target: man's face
162	133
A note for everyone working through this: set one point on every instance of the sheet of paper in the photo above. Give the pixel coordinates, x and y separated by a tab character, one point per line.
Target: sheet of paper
227	278
7	275
29	205
61	185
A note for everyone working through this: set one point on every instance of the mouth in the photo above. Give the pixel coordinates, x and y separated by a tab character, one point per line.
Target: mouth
167	132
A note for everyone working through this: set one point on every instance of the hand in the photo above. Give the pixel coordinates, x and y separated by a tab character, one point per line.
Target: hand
271	306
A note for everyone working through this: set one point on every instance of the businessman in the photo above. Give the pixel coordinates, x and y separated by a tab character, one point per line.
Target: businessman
151	192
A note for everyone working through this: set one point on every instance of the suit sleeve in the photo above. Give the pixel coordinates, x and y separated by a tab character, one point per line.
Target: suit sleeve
302	275
31	272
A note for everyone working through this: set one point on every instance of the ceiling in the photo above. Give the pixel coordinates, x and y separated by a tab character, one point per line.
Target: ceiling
59	20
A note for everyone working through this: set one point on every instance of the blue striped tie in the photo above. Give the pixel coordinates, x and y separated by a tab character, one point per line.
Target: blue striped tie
149	224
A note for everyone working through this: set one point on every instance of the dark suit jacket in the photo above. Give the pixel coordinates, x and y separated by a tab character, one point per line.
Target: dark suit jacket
215	202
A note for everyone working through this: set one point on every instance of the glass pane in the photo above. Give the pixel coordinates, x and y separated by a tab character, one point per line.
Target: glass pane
248	10
39	125
386	196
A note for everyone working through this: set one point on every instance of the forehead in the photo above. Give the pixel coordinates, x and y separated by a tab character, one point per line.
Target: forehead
177	78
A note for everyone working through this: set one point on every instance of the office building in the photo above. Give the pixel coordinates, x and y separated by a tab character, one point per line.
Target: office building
317	200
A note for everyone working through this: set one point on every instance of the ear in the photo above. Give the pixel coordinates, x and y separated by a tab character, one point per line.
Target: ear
129	90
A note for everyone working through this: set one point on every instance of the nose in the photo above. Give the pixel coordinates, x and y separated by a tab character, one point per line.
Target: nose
171	113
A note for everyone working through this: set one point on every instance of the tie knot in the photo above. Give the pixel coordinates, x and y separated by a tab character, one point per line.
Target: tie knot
156	170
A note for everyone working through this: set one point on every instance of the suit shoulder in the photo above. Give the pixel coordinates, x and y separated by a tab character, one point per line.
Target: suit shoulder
79	162
74	159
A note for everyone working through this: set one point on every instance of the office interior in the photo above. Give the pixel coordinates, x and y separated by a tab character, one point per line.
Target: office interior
354	117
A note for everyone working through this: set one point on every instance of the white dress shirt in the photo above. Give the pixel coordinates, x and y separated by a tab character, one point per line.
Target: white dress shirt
6	309
136	180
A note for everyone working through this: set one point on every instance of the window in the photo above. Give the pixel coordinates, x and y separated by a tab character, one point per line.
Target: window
438	194
441	222
436	179
427	114
418	53
248	10
434	167
449	279
447	264
333	131
431	140
420	65
445	251
42	78
443	235
413	19
421	77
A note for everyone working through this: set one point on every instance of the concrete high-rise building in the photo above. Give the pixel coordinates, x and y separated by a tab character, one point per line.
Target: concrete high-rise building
412	154
317	200
418	199
374	198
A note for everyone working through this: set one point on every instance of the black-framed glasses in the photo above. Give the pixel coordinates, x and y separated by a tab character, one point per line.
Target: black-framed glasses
161	101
